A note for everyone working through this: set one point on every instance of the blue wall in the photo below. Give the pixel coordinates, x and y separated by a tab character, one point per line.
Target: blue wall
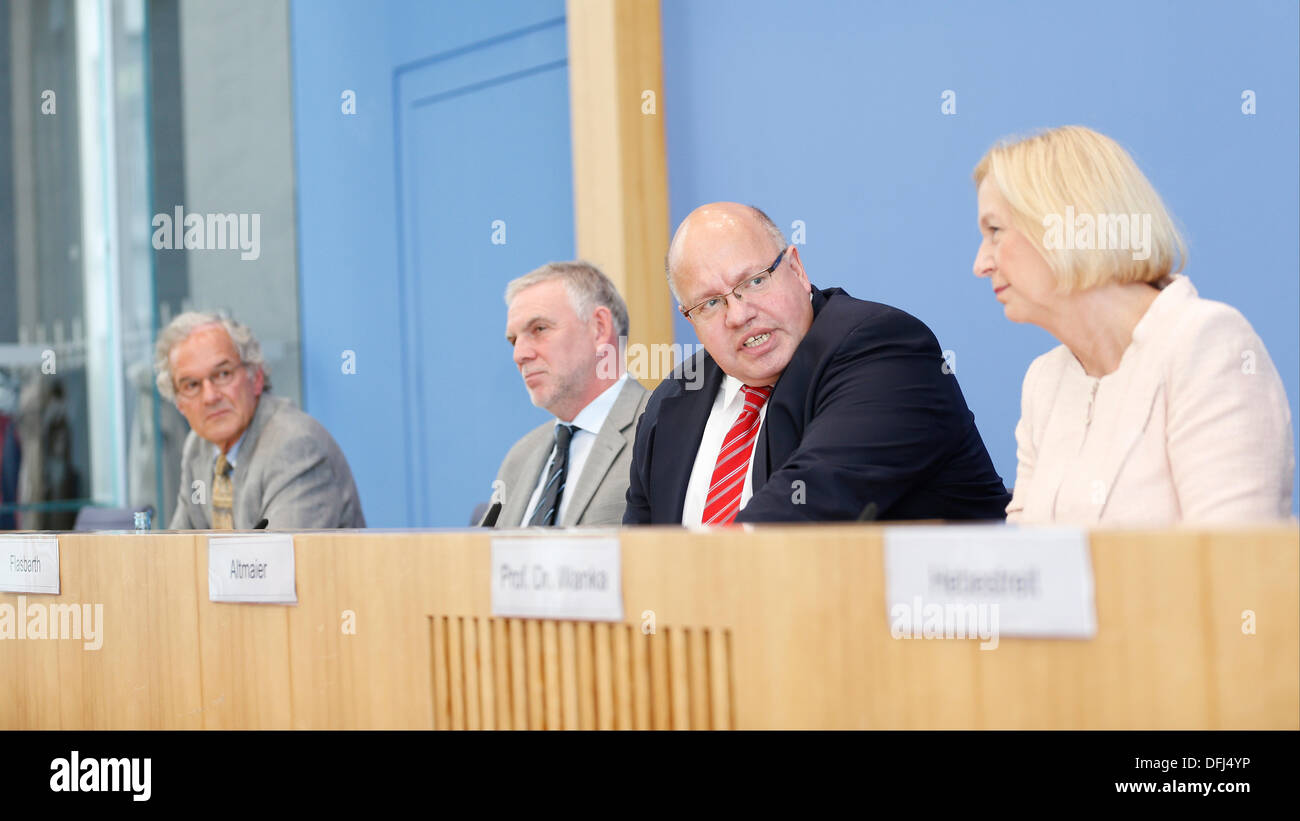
829	112
826	112
462	119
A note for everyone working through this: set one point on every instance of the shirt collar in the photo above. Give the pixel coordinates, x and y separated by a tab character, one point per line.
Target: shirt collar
234	450
1164	307
731	386
592	417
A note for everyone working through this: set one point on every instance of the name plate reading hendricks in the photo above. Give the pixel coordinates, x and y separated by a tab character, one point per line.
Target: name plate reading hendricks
943	581
558	577
252	569
29	564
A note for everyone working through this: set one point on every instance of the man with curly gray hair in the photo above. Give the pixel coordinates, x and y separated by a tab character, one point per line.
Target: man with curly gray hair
251	459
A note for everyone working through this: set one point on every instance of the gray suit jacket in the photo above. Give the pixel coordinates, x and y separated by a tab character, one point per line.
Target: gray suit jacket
599	495
289	471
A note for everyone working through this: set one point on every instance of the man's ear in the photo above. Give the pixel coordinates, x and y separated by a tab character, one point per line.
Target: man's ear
602	324
259	382
796	265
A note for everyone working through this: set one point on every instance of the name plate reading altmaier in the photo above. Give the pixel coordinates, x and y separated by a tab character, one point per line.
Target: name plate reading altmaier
252	569
29	564
558	577
987	581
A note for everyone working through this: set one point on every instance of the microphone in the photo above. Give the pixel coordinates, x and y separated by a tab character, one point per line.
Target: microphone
490	518
261	525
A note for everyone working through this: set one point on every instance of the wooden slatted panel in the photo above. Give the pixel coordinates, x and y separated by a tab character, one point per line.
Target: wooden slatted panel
699	677
543	674
536	683
518	676
551	694
679	679
660	679
720	678
622	677
487	695
501	673
641	679
441	690
586	677
456	673
470	660
568	674
604	678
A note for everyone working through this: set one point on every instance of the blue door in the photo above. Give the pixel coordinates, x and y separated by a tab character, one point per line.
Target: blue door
452	177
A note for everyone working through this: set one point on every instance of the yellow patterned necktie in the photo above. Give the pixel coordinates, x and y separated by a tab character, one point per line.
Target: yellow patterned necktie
223	496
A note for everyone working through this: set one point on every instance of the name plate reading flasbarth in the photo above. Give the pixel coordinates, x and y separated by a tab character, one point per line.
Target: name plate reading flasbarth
558	577
29	564
986	581
252	569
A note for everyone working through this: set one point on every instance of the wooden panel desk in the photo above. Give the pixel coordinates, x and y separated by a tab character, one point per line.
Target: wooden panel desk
782	627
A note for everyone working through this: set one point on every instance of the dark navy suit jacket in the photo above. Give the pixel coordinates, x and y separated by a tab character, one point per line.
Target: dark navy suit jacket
864	415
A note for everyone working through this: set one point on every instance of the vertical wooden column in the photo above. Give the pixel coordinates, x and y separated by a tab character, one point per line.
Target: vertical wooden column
620	167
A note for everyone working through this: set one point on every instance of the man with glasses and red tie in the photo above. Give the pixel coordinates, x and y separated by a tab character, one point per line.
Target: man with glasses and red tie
251	459
813	406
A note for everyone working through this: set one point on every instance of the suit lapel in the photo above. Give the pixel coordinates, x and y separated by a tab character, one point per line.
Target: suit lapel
677	438
608	445
1141	389
525	482
201	468
244	514
787	396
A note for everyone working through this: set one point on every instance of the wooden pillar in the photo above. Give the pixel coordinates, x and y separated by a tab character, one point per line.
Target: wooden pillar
620	167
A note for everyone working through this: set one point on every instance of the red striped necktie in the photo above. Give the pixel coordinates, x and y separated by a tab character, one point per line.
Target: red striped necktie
733	460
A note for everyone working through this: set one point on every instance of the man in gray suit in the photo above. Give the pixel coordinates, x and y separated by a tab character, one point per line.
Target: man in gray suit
249	456
564	321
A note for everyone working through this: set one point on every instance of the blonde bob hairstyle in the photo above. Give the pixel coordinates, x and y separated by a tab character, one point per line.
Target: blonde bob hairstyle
1075	167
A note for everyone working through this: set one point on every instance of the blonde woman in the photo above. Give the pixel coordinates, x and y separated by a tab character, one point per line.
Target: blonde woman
1158	407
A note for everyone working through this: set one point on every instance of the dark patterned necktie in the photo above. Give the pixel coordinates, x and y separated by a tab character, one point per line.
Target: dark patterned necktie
549	503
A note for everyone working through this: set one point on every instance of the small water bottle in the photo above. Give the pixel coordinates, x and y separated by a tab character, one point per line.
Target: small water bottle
141	521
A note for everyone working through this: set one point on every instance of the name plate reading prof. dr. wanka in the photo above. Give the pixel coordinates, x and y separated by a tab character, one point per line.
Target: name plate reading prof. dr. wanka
256	569
29	564
1034	582
557	577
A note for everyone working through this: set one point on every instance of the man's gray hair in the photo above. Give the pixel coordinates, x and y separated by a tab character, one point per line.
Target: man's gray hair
180	328
587	287
764	221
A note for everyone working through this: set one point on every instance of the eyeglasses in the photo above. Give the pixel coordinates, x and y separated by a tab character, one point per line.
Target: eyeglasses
752	286
220	378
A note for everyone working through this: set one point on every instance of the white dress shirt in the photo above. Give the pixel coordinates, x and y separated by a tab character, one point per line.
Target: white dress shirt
587	424
727	406
231	456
